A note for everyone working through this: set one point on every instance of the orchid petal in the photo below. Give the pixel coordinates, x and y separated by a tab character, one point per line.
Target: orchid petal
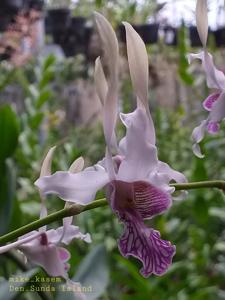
47	163
45	171
64	254
202	20
111	60
138	65
197	150
77	165
72	232
197	136
210	100
213	127
79	188
100	81
214	77
141	155
145	244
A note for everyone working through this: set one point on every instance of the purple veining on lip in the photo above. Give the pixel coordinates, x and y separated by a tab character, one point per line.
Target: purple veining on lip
134	202
145	244
210	100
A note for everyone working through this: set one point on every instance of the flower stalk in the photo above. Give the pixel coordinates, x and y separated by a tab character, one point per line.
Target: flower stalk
77	209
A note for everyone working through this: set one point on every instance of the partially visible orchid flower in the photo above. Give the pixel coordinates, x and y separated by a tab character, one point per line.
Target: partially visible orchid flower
44	247
137	183
215	102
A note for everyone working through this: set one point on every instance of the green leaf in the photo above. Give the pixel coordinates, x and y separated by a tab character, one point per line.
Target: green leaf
8	287
9	132
43	97
49	61
7	194
48	75
94	272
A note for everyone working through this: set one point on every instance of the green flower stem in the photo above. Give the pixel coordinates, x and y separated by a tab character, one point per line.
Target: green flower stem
77	209
59	215
219	184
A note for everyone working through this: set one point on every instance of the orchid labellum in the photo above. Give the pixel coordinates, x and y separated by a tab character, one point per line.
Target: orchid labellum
136	182
215	102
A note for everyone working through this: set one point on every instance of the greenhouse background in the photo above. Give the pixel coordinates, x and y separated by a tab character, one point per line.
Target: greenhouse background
48	98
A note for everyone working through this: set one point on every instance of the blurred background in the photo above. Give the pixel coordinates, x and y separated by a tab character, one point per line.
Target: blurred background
47	97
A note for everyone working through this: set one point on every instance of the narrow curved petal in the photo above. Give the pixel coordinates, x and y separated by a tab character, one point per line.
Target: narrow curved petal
140	156
202	20
100	81
197	136
146	245
214	77
79	188
138	65
47	163
210	100
147	200
45	171
110	58
46	256
77	166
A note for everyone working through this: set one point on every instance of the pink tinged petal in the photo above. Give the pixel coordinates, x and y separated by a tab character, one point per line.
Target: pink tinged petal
161	180
110	49
145	244
217	113
100	81
46	256
140	155
138	65
210	100
197	150
202	20
64	254
213	127
79	188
